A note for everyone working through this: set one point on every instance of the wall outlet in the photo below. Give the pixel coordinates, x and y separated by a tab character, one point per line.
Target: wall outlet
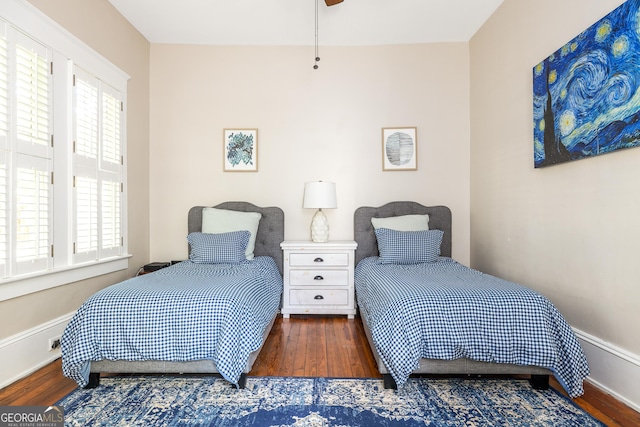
54	343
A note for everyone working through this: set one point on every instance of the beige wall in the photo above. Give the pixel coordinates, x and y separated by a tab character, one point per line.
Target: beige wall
101	27
572	230
313	124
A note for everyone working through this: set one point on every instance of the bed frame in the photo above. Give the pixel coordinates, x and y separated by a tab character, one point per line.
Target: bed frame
269	236
439	218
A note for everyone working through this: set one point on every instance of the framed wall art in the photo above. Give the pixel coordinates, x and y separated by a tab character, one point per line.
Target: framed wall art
399	149
586	95
240	150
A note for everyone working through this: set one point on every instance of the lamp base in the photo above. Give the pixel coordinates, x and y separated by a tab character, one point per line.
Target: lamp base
320	227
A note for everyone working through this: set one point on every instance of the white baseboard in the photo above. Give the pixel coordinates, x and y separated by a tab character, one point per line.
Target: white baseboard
613	369
24	353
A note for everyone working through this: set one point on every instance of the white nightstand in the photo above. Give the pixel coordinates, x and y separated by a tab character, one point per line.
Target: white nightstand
318	278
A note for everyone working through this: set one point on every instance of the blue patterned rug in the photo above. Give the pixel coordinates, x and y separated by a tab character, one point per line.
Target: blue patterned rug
273	401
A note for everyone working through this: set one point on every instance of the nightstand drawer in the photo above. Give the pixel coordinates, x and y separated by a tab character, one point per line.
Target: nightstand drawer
318	259
318	277
319	297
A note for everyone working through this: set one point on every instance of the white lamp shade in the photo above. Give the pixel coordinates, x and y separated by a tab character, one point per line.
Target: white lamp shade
320	195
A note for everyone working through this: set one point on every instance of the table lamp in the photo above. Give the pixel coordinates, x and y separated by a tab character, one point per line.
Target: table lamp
319	195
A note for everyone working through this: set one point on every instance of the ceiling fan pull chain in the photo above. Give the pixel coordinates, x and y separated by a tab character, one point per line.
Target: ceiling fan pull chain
315	67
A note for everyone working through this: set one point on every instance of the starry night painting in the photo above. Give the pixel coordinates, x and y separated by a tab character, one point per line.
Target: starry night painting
586	97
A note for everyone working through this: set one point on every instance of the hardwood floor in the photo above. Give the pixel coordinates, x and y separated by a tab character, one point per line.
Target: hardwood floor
308	346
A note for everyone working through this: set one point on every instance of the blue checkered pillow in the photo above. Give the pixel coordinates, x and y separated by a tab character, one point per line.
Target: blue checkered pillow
210	248
408	247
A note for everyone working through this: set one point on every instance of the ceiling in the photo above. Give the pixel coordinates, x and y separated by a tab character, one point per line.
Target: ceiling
292	22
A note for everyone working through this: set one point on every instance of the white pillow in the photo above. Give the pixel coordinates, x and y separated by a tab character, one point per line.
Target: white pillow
402	222
224	221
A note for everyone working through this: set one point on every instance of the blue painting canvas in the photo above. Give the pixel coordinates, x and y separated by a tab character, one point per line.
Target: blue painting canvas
586	100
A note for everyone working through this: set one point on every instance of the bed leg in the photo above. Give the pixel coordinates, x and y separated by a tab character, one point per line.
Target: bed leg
94	380
389	382
242	381
539	382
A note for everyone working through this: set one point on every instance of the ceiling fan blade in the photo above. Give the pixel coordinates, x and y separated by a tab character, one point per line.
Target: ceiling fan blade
332	2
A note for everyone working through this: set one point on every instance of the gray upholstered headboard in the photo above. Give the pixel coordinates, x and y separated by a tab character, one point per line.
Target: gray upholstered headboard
439	218
270	229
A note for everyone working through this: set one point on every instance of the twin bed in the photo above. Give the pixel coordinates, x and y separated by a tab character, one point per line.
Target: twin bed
210	314
422	311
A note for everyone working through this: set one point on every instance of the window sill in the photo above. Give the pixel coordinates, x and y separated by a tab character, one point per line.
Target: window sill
16	287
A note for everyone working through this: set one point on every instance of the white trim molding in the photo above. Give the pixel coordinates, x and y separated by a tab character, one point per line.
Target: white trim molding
24	353
14	288
613	369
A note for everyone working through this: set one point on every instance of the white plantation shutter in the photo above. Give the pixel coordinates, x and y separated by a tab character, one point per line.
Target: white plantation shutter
32	93
111	172
4	144
33	166
111	132
111	165
98	207
32	214
111	218
86	117
4	87
4	229
85	165
86	220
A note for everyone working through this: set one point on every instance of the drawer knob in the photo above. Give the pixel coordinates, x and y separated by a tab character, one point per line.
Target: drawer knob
318	260
318	297
318	278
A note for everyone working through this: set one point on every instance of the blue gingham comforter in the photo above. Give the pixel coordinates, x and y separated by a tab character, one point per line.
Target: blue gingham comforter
184	312
444	310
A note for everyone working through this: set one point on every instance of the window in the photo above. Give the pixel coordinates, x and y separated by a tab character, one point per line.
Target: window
62	163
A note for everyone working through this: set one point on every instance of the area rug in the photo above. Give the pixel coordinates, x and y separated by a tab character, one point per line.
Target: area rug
272	401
